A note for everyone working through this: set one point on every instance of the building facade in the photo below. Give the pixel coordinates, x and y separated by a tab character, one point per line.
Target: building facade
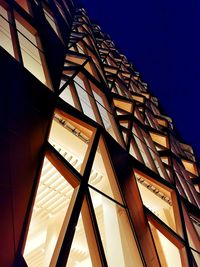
92	174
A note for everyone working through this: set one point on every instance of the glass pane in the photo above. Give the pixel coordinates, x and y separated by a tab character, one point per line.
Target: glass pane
196	255
168	253
79	254
30	52
70	139
5	35
51	21
158	200
66	95
31	58
105	118
49	211
157	205
3	12
134	151
144	152
86	100
102	176
192	224
106	115
30	36
116	235
155	156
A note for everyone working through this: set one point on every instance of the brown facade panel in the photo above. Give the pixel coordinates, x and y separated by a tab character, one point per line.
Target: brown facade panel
92	174
24	128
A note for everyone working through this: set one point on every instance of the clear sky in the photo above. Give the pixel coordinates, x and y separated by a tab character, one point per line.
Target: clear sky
162	40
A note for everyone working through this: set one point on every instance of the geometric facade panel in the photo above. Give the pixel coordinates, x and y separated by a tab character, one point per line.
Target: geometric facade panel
93	174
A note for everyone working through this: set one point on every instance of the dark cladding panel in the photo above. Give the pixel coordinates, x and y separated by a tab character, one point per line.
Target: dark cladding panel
26	110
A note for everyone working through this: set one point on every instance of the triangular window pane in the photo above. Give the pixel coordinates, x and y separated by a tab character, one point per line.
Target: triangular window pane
79	254
169	254
102	176
67	96
52	200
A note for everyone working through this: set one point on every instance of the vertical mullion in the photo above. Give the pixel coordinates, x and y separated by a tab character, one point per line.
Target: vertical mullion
71	221
77	203
96	230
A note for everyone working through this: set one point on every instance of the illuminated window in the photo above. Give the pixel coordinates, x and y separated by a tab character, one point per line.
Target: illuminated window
32	55
79	252
192	224
116	234
186	184
154	154
84	250
87	102
105	113
86	97
49	212
134	151
160	139
102	176
169	254
70	139
5	32
190	166
125	105
142	147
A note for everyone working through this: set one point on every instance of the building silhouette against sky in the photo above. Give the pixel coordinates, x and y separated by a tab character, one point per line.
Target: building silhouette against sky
92	173
164	47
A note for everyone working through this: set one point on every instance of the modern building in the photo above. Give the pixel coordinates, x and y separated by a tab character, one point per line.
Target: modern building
92	174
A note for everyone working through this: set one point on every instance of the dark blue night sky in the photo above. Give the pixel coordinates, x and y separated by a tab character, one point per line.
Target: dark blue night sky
162	40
